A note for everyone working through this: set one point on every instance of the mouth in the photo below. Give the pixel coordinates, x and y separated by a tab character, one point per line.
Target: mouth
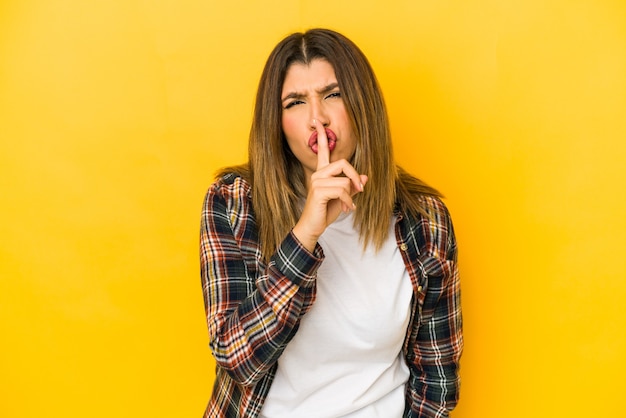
332	140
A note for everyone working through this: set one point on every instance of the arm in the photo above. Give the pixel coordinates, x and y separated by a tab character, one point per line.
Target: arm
434	382
254	310
251	315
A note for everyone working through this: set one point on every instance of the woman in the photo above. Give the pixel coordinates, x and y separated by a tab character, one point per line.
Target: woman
329	273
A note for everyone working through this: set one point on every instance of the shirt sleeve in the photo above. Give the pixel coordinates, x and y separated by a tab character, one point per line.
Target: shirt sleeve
252	309
433	389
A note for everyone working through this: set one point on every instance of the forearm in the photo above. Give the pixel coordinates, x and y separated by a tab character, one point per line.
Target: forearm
251	320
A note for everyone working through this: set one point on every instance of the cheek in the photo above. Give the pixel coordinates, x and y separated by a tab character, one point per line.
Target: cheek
290	131
289	126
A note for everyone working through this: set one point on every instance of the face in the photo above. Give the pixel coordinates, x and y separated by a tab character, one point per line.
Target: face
311	92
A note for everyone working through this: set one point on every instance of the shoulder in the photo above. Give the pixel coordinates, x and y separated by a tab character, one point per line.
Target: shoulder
230	186
230	193
435	210
433	228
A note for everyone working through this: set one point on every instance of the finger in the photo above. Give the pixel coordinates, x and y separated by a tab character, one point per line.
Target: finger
339	192
322	185
329	188
338	195
323	152
346	201
363	179
344	167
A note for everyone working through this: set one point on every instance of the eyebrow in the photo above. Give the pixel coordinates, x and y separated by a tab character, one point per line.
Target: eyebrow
326	89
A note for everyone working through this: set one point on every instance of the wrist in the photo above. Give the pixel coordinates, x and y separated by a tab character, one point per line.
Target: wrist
307	240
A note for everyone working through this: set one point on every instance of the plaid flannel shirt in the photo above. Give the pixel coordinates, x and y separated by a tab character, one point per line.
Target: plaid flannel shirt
253	308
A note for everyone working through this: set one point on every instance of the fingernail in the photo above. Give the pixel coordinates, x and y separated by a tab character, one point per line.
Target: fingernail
361	186
353	206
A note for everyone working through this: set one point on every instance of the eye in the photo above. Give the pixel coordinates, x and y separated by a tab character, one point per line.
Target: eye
293	103
334	94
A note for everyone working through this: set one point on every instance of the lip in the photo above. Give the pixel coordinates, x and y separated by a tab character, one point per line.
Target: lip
332	140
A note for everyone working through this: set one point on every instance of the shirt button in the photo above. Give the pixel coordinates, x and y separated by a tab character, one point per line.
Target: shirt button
419	288
404	247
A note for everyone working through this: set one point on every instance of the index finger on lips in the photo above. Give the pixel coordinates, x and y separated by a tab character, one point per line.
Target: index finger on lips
323	152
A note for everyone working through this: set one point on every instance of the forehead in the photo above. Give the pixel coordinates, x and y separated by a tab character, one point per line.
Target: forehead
318	73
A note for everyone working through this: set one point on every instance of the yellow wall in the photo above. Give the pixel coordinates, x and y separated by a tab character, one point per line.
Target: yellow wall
114	114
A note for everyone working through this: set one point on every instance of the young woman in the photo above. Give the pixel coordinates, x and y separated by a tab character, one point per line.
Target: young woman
329	274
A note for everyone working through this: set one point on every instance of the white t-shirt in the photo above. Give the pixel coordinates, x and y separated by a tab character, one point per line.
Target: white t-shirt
346	358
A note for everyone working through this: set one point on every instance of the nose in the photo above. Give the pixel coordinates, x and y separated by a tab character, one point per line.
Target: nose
319	113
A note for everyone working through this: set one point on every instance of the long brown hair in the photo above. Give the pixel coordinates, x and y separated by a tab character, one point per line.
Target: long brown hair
275	174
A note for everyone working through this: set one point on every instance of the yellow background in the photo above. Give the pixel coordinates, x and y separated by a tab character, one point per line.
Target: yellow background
115	113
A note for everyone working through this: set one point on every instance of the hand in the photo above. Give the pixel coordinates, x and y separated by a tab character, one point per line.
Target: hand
329	193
